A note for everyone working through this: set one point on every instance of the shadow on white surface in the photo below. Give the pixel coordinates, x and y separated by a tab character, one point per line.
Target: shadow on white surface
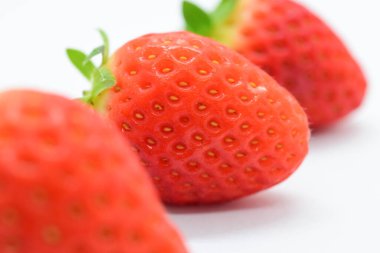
350	134
263	209
340	129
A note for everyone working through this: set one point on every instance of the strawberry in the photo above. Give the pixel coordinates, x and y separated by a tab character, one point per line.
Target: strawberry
69	183
209	125
294	46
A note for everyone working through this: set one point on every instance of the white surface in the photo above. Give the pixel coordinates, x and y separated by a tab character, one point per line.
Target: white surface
332	204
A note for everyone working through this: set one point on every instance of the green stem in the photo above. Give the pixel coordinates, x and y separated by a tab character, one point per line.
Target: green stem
106	46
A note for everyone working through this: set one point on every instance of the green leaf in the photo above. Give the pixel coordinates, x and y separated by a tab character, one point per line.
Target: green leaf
103	50
95	52
224	10
79	60
100	77
197	20
102	80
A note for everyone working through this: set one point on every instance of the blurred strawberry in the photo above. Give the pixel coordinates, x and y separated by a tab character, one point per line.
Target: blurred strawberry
209	125
70	183
294	46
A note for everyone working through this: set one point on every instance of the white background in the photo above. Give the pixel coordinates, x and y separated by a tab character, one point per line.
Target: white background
332	204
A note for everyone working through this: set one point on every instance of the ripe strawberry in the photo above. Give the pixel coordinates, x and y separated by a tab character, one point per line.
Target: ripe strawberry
69	183
209	125
294	46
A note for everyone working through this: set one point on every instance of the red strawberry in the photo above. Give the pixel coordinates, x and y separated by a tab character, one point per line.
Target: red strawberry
69	183
293	45
209	125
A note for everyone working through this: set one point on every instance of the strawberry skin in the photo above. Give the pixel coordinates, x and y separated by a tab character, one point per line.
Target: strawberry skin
300	51
70	183
209	125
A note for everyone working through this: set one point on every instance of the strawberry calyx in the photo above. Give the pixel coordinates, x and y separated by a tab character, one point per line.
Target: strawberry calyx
219	24
100	77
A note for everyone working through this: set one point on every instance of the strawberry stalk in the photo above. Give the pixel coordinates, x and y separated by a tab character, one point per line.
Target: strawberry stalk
206	23
100	77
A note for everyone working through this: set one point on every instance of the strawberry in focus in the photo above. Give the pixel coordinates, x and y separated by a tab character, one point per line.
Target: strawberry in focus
294	46
70	183
209	125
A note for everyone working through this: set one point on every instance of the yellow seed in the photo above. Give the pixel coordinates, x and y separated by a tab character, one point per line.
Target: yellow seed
224	166
166	70
167	42
215	62
240	155
261	114
157	179
152	56
193	164
248	170
231	180
150	141
291	156
211	154
187	185
180	147
213	92
195	46
173	98
271	131
244	98
198	137
279	146
252	84
264	158
229	140
175	173
167	129
202	107
139	115
205	175
245	126
231	80
183	84
126	127
133	72
254	142
183	58
231	111
214	124
138	48
203	72
158	107
284	117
